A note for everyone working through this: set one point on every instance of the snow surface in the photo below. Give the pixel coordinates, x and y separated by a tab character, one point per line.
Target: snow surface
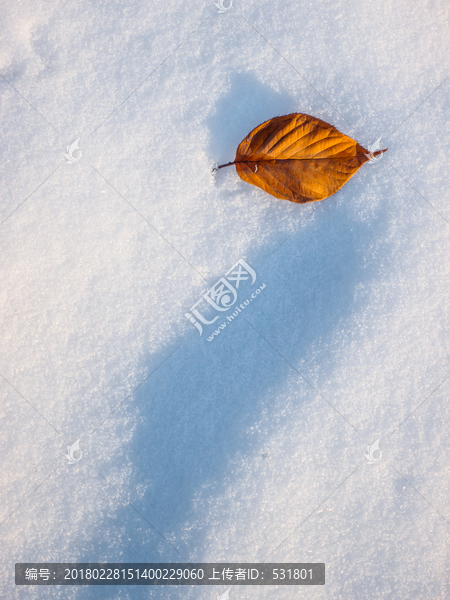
250	447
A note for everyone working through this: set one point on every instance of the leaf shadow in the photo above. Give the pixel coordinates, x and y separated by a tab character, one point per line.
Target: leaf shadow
177	438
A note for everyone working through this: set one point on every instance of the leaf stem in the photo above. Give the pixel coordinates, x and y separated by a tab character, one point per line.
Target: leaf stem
227	165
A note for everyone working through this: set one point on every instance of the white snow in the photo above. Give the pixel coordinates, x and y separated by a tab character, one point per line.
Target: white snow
251	447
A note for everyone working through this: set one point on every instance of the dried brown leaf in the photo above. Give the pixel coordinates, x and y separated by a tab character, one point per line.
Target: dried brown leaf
299	158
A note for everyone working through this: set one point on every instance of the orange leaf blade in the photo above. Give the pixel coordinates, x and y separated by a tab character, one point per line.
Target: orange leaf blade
299	158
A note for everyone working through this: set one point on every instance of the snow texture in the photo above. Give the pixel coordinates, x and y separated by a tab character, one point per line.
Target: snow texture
250	447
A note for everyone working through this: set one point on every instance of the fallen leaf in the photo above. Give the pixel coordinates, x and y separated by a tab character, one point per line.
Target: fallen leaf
299	158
